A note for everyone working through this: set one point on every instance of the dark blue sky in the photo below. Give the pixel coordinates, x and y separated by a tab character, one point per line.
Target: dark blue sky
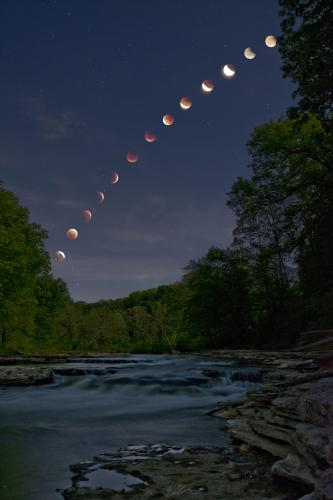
80	83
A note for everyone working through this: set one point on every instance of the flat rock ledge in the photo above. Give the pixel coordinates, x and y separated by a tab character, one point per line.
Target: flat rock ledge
290	416
25	375
159	471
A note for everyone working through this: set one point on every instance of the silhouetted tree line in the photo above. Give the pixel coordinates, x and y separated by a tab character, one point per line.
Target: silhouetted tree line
273	281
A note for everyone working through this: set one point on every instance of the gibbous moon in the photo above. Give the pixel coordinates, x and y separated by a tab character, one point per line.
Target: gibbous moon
60	256
150	137
207	86
114	178
185	103
168	120
228	71
87	215
270	41
132	158
72	234
249	54
100	196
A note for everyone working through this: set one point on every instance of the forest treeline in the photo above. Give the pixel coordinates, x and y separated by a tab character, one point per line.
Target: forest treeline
274	280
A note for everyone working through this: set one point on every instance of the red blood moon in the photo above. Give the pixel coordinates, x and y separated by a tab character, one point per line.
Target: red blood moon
150	137
185	103
114	178
72	234
60	255
168	120
132	158
207	86
100	196
87	215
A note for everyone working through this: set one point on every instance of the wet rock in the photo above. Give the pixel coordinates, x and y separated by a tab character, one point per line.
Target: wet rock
209	372
19	375
69	372
247	376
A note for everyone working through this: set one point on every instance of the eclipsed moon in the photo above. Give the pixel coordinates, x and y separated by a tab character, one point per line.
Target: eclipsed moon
270	41
185	103
87	215
60	256
249	54
168	120
150	137
100	196
114	177
207	86
228	71
132	158
72	234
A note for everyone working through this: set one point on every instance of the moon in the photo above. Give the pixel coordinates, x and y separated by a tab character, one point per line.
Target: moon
72	234
185	103
168	120
100	196
207	86
270	41
87	215
114	178
249	54
150	137
228	71
60	255
132	158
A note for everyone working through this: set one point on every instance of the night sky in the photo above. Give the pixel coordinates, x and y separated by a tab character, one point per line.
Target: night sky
80	83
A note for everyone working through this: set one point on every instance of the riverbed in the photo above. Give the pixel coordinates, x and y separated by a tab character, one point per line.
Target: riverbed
148	399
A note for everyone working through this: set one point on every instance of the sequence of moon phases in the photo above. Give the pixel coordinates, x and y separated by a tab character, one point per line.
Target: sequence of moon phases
207	86
100	196
185	103
60	256
72	234
87	215
132	158
249	54
228	71
168	120
270	41
114	178
150	137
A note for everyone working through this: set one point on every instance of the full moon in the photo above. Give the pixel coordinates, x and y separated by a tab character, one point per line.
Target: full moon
228	71
132	158
168	120
100	196
60	256
249	54
72	234
114	178
87	215
185	103
207	86
270	41
150	137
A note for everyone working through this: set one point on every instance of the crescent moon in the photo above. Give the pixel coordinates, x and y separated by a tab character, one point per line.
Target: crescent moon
114	178
185	103
228	70
249	54
150	137
100	196
132	158
207	86
270	41
60	255
72	234
87	215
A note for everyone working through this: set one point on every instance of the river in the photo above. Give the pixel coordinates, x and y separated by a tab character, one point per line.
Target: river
149	399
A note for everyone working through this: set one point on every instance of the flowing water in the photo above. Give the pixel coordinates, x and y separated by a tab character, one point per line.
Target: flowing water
149	399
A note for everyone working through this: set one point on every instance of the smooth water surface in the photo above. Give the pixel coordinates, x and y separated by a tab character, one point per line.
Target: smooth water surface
150	399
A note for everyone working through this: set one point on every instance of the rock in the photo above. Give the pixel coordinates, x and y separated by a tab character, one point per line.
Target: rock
294	469
247	376
19	375
69	372
209	372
